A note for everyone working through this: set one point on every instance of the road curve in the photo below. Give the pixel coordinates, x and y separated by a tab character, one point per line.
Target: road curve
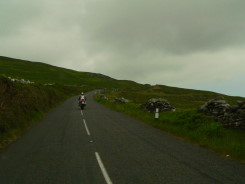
101	146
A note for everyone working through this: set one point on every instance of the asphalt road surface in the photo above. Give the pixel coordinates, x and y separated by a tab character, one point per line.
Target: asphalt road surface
101	146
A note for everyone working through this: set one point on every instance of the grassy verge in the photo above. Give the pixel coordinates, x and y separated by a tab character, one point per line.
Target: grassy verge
191	126
22	105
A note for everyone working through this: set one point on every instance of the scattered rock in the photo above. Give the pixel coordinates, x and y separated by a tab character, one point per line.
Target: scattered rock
230	116
161	104
121	100
49	84
23	81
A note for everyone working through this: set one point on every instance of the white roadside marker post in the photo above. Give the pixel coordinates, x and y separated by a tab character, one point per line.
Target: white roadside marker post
157	114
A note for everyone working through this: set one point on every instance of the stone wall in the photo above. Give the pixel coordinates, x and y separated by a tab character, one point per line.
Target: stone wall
231	116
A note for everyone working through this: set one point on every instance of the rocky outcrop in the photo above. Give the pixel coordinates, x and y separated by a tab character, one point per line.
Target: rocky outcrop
161	104
230	116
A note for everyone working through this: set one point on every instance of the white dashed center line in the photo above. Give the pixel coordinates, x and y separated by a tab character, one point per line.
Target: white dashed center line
103	169
86	127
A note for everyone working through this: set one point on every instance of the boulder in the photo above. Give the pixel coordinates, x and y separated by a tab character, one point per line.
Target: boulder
161	104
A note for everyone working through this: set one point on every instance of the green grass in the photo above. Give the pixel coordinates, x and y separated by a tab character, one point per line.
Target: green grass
189	125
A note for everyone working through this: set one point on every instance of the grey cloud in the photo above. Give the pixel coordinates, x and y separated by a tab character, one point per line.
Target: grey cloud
15	14
45	31
174	26
188	71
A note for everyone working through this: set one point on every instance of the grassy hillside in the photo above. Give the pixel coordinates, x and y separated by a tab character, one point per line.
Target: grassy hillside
44	73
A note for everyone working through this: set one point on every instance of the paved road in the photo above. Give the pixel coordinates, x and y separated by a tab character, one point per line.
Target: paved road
100	146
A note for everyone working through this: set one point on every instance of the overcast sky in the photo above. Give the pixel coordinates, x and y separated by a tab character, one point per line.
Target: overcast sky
198	44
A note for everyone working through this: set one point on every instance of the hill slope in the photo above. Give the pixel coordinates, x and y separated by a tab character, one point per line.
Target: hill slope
44	73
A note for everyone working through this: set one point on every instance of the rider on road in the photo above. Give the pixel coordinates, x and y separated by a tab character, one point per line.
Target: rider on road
82	98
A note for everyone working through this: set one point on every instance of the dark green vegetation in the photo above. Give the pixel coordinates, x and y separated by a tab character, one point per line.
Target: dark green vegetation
185	122
21	105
